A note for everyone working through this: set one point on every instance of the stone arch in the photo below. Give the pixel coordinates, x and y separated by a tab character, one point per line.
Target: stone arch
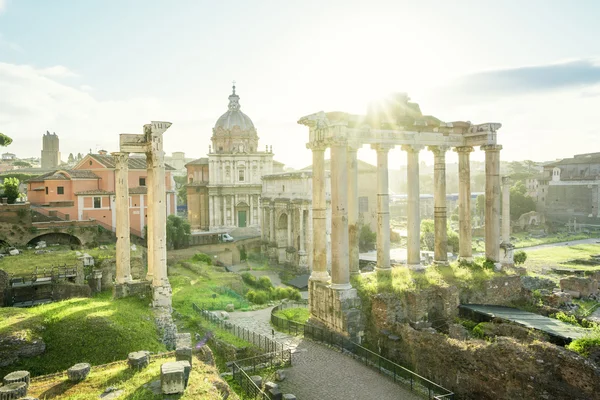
55	237
281	230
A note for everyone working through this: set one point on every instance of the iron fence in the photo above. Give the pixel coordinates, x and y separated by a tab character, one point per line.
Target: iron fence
247	384
384	366
220	305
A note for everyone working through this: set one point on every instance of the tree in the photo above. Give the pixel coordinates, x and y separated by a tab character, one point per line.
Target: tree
71	158
427	234
20	163
366	239
520	257
11	189
79	156
519	202
178	232
180	182
480	206
5	140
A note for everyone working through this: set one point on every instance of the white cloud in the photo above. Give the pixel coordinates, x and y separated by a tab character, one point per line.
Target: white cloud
5	43
58	71
3	4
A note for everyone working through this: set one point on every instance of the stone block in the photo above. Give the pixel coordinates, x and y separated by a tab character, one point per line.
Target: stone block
457	331
271	385
138	359
187	370
183	347
274	394
279	375
257	379
585	286
78	372
172	377
224	315
573	293
12	391
230	308
289	396
17	376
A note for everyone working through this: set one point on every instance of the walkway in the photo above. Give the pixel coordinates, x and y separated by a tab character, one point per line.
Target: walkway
319	372
558	244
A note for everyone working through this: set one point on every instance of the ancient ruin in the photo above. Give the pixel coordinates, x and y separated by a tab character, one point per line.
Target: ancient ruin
394	122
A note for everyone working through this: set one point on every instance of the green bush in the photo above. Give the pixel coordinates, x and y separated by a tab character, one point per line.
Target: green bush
520	257
488	264
367	238
567	318
264	282
585	345
251	295
201	257
260	297
249	279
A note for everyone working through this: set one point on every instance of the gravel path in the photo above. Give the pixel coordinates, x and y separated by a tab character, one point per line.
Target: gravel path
319	372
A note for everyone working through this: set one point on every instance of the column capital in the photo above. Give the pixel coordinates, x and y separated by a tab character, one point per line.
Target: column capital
121	159
353	146
382	147
491	147
336	141
316	146
438	150
463	149
412	148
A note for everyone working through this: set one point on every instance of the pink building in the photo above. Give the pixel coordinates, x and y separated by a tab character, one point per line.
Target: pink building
88	192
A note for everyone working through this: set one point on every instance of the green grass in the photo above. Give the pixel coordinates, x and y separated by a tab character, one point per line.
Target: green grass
95	330
523	240
401	280
557	256
299	315
200	385
28	261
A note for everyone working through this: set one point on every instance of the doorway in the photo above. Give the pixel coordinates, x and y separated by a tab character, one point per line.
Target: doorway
242	219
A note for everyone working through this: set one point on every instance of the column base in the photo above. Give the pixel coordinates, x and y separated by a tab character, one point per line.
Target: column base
341	286
139	289
441	263
468	260
415	267
319	276
161	296
387	270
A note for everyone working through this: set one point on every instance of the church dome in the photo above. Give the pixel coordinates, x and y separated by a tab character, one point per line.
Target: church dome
234	117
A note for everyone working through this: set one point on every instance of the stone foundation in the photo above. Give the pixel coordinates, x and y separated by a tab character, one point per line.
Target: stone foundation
161	295
167	330
337	310
139	289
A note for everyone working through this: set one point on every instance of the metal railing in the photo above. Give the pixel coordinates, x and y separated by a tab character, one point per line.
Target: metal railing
387	367
261	341
247	384
220	305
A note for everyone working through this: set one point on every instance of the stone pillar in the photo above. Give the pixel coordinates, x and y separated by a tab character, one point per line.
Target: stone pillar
272	224
492	202
149	221
353	234
413	231
160	284
506	247
301	220
290	215
340	271
464	203
123	273
439	199
319	214
251	215
383	208
211	210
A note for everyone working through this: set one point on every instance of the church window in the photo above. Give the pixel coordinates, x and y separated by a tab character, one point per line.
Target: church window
241	175
363	204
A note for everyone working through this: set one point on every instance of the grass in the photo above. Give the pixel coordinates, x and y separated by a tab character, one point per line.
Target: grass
28	261
522	239
299	315
401	280
134	384
95	330
557	256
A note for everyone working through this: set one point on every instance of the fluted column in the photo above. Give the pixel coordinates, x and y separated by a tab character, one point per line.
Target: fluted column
383	208
149	220
301	220
211	211
123	273
506	182
464	203
340	271
290	215
353	234
439	203
272	223
413	251
492	202
319	213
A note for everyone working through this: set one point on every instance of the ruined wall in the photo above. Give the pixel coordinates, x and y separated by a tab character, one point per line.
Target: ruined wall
337	310
501	291
63	291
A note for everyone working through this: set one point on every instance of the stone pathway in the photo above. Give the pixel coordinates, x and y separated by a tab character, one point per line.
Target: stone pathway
319	372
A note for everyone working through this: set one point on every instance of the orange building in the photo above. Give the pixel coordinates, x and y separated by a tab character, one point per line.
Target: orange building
88	192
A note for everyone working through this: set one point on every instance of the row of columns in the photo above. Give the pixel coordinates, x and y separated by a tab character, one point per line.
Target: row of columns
344	205
218	205
269	221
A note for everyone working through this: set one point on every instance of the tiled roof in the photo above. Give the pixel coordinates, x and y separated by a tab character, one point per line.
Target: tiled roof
82	174
138	190
95	191
134	162
59	175
199	161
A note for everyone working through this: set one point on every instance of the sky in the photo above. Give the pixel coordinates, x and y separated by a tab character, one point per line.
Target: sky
90	70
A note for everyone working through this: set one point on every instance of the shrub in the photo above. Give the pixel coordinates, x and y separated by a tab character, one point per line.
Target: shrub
201	257
260	297
264	282
249	279
367	238
520	257
251	296
488	264
585	345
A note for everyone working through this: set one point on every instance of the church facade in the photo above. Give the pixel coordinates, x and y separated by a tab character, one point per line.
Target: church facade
224	189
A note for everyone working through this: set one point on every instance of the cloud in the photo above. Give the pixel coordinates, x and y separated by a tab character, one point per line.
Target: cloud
3	4
530	79
58	71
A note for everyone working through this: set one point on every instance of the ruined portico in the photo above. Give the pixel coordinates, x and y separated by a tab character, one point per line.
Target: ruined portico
394	122
149	143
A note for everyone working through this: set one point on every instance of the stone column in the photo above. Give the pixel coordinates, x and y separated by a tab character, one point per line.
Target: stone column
211	211
353	234
340	271
492	202
301	220
506	182
439	199
149	220
413	231
290	215
383	208
271	224
160	283
123	273
319	214
464	203
250	217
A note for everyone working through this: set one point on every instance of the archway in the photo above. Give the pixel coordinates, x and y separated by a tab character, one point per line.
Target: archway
242	214
56	238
